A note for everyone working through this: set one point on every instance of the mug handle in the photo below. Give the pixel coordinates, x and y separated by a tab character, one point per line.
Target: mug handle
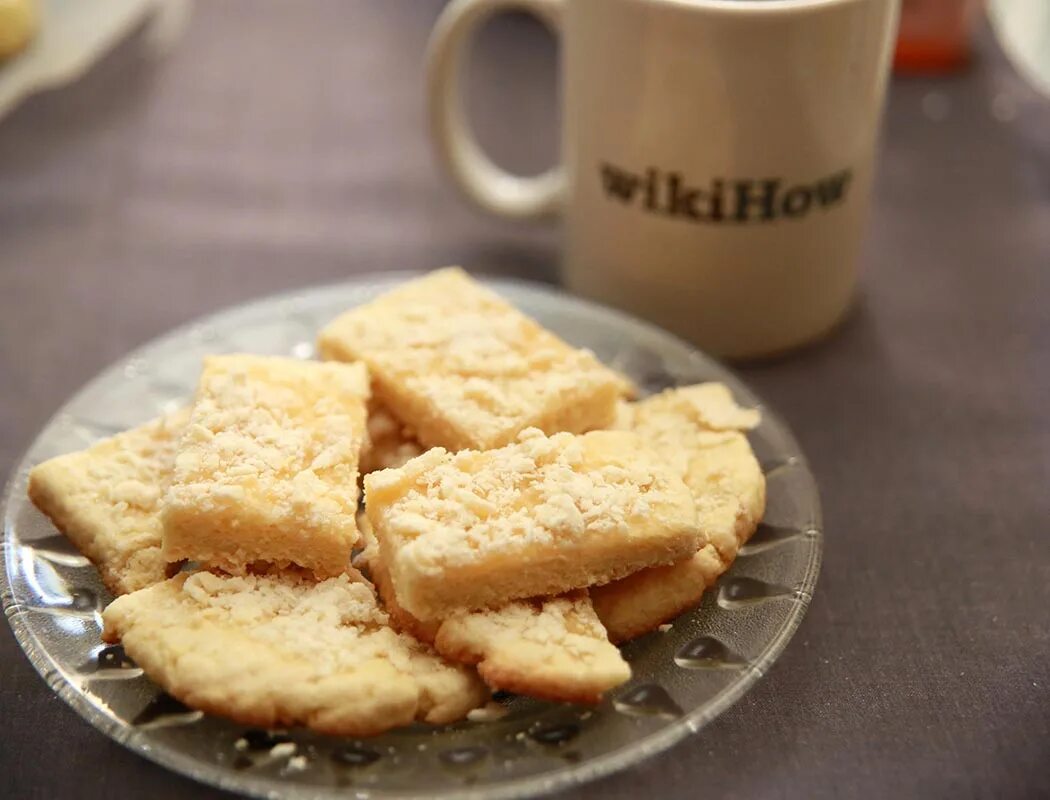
493	189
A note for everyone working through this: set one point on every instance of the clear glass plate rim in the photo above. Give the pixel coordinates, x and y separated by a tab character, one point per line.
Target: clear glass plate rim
567	776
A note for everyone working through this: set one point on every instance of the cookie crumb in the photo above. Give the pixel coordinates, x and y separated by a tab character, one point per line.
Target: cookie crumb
489	713
283	750
665	627
240	745
297	763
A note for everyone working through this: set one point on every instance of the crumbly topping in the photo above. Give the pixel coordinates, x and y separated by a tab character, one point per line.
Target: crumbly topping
112	494
280	435
708	405
697	430
680	423
282	649
336	623
490	712
555	647
486	368
567	625
447	508
283	750
728	466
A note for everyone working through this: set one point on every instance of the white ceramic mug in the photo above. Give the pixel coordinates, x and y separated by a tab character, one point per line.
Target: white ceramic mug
717	156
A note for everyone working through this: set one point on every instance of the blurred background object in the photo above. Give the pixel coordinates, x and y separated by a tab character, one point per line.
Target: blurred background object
939	36
1023	27
70	36
18	19
935	35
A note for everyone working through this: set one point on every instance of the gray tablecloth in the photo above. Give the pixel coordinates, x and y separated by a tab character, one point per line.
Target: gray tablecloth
283	144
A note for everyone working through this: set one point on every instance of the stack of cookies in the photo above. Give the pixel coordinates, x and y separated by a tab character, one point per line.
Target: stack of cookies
520	518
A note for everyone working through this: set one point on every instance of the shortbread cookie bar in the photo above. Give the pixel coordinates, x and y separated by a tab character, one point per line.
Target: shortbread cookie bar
539	517
465	369
390	443
266	471
554	648
641	602
281	650
371	563
709	405
692	429
106	500
698	430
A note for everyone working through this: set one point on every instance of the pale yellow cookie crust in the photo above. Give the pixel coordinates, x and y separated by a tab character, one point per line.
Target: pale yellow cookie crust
266	470
696	429
553	648
640	603
540	517
466	370
270	651
370	561
107	500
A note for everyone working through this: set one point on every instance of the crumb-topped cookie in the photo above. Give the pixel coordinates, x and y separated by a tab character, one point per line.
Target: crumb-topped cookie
106	500
284	650
554	647
266	470
465	369
697	431
641	602
539	517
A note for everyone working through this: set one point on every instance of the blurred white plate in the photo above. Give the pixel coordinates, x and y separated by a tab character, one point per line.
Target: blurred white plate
74	34
1023	27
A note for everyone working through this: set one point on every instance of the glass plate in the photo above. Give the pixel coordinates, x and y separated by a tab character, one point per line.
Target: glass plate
683	677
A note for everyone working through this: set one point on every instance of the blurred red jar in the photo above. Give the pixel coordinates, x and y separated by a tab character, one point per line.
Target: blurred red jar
935	35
